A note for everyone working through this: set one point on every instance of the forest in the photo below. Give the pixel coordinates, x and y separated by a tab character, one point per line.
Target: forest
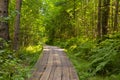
88	30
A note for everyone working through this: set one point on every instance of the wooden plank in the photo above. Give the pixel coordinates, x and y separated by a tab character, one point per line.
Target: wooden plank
53	67
65	68
57	74
58	70
72	71
73	75
47	71
40	66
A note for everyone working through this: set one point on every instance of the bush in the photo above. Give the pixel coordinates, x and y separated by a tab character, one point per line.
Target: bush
105	57
17	65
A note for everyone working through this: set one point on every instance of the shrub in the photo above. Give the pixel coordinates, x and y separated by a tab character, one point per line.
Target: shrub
105	57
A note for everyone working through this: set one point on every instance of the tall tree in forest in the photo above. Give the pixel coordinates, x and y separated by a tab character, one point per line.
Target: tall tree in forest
105	16
4	29
99	20
116	16
17	25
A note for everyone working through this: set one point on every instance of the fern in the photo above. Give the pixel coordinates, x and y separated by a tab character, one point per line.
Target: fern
104	56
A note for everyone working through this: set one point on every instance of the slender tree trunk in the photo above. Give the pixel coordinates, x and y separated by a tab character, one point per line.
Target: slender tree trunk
74	14
105	16
17	25
74	9
116	16
4	29
99	20
112	18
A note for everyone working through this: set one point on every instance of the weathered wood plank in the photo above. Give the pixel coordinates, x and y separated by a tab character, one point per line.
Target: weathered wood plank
47	71
40	66
57	73
53	66
73	73
65	68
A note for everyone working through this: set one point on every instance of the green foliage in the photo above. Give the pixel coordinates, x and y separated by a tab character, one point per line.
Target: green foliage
82	67
17	65
78	50
61	25
105	58
12	69
112	77
84	49
31	28
30	54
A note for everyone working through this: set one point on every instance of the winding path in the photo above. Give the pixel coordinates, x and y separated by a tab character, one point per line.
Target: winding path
53	65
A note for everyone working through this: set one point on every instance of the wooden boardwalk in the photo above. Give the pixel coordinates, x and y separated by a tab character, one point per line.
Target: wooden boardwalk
53	65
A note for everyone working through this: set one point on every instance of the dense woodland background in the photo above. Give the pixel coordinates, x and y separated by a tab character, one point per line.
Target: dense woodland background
89	30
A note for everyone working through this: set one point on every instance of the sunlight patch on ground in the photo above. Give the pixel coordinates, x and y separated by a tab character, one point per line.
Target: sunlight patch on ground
59	49
33	49
46	49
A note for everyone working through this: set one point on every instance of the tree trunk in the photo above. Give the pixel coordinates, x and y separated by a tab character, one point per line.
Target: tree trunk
74	14
105	16
116	16
17	25
99	20
4	29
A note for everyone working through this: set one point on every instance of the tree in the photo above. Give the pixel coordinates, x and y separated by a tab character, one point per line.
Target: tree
116	15
17	24
105	16
99	20
4	29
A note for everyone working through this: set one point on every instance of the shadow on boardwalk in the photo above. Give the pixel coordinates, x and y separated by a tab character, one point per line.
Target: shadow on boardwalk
53	65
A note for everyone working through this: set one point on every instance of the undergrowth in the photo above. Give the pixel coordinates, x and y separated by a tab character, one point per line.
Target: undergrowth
95	60
17	65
